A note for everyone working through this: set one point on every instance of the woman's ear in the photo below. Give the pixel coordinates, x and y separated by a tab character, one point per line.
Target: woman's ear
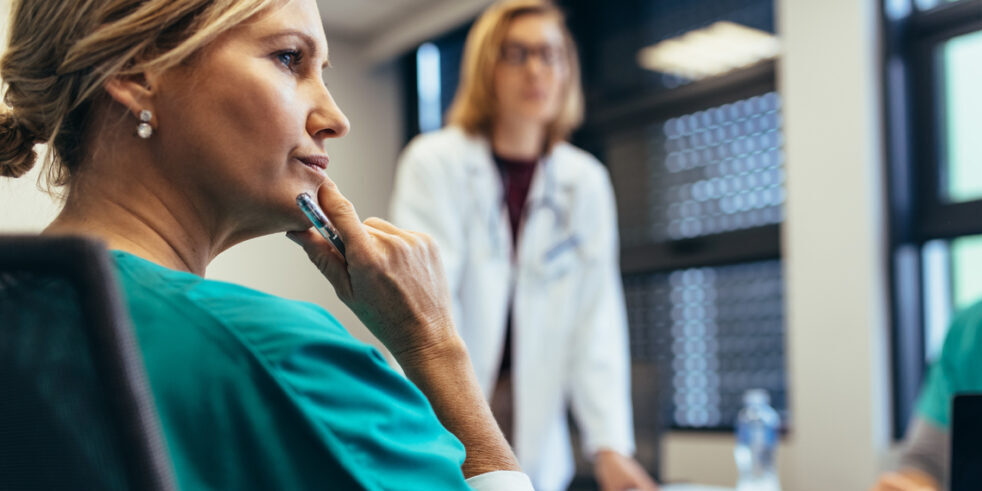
134	92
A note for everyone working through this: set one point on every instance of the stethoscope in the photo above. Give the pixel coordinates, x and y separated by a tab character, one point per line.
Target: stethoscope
547	201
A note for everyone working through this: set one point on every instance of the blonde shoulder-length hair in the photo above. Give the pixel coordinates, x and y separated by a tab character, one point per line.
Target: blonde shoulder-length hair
474	105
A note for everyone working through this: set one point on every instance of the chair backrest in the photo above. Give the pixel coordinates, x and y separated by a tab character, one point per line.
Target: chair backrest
75	406
966	442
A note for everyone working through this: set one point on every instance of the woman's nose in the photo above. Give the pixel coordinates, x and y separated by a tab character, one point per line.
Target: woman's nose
535	65
327	120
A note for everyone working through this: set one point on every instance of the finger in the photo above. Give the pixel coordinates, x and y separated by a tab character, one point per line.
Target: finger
891	482
383	225
393	245
380	224
645	481
341	213
904	482
382	228
888	485
327	259
603	484
425	238
382	235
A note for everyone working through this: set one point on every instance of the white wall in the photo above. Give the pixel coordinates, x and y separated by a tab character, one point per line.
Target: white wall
835	258
23	207
362	163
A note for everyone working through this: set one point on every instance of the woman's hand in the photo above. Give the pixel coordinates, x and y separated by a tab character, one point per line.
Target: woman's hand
393	279
616	472
906	480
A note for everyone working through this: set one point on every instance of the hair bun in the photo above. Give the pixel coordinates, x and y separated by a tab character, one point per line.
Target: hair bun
17	155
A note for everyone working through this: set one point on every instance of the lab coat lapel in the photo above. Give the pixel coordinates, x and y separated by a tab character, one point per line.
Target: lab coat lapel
537	221
488	192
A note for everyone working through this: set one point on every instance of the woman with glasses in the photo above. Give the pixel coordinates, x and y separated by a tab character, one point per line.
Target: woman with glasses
527	231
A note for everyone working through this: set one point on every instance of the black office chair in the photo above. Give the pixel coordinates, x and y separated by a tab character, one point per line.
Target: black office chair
75	407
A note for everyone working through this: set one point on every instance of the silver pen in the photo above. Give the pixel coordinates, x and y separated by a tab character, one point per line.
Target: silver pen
320	221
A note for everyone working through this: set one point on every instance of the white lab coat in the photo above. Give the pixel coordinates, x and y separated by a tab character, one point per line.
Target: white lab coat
569	324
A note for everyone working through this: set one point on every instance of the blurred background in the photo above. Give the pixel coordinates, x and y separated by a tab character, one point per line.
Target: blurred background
799	187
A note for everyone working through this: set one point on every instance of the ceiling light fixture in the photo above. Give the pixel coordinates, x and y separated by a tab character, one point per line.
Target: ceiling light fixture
711	51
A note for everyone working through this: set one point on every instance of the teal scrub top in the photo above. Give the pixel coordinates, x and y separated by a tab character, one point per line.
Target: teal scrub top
256	392
958	369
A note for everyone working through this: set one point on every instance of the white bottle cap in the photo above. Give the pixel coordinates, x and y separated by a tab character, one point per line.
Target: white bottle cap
756	397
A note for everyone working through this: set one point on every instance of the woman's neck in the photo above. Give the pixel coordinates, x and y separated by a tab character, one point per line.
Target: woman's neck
518	140
136	218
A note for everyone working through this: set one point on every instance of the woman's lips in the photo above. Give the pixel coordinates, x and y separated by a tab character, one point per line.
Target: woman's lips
317	162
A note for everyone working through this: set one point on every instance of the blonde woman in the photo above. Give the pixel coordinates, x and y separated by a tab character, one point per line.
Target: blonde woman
180	128
527	231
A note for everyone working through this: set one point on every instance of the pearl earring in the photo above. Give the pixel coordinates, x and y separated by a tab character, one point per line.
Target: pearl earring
144	130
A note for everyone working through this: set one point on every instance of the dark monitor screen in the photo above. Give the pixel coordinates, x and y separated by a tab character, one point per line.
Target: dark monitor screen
966	443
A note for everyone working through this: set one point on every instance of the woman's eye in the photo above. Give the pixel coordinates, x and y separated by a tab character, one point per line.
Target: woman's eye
289	59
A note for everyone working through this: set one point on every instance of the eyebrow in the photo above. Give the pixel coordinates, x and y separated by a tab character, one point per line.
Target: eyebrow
306	39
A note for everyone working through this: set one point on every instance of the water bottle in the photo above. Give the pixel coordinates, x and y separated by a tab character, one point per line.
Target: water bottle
756	443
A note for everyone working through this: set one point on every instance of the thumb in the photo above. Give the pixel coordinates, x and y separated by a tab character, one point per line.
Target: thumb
342	214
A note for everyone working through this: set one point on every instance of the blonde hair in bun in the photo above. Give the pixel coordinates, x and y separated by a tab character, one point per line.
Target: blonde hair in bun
17	155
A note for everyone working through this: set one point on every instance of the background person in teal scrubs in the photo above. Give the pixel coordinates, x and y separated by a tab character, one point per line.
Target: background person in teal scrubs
182	128
925	457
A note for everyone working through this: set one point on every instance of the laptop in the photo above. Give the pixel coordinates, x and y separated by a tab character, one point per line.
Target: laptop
966	442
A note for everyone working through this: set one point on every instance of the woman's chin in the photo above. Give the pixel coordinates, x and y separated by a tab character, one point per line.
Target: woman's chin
539	114
283	215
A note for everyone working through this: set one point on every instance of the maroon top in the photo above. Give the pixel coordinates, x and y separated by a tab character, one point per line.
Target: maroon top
516	175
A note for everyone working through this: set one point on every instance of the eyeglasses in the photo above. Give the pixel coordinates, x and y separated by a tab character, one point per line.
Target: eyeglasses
517	54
